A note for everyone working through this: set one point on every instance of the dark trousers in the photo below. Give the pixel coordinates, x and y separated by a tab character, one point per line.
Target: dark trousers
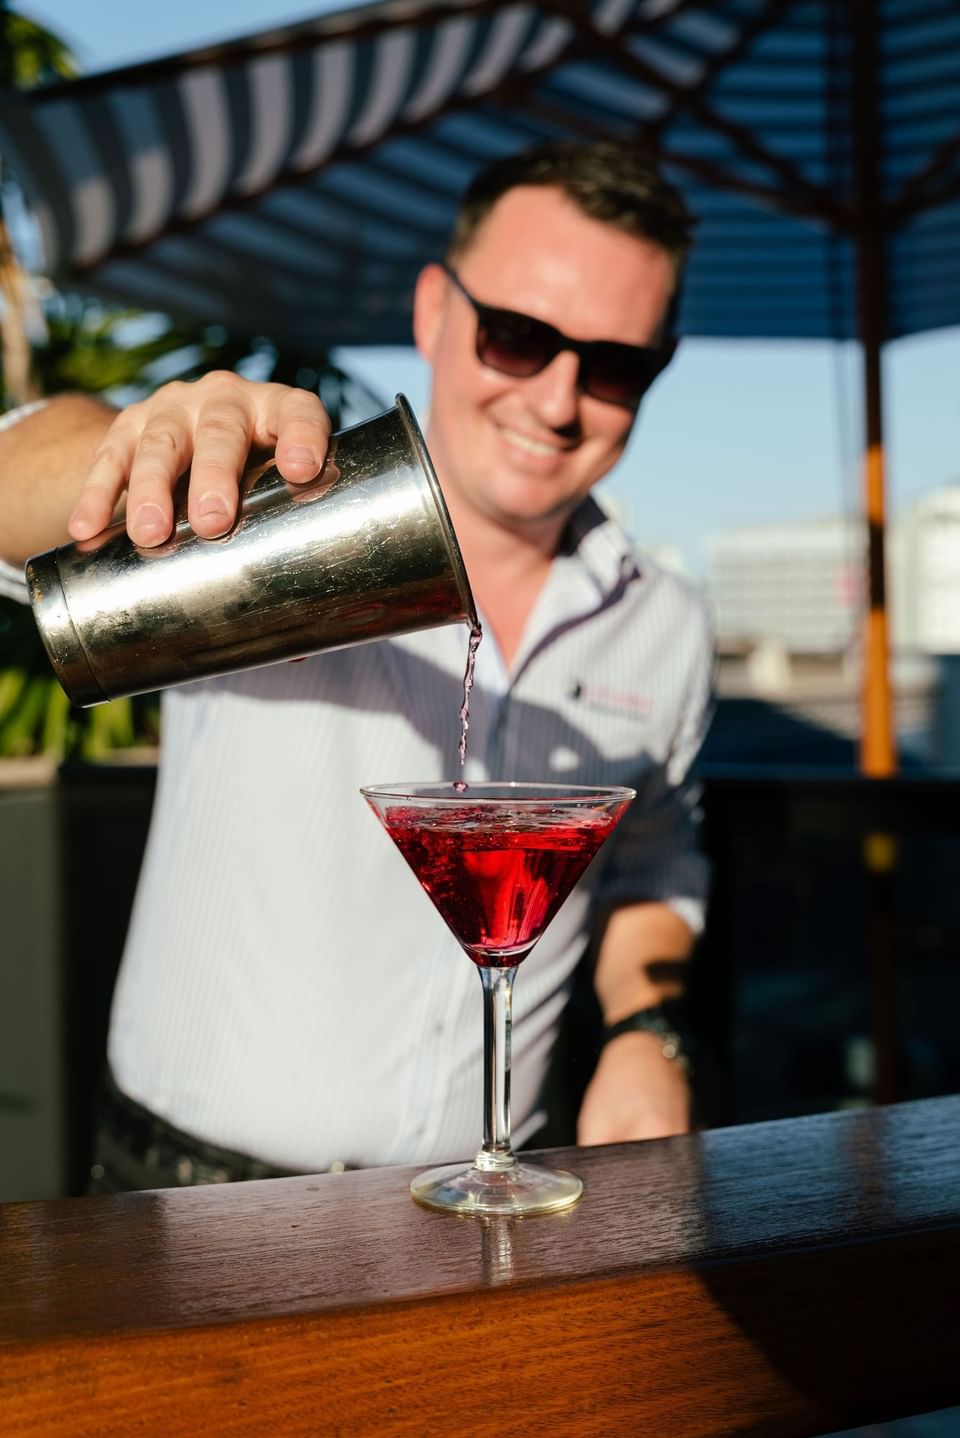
134	1149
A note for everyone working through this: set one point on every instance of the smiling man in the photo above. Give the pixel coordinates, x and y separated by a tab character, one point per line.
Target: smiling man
518	447
288	1001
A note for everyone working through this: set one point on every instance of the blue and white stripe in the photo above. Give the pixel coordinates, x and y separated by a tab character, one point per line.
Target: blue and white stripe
126	173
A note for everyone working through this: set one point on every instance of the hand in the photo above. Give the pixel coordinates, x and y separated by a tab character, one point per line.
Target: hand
210	425
635	1093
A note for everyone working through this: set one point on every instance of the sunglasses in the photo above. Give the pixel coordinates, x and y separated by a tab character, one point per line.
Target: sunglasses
521	346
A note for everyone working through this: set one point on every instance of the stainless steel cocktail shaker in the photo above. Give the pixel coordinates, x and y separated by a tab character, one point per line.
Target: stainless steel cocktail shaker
363	552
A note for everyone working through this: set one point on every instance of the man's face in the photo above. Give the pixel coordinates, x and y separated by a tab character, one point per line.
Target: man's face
524	452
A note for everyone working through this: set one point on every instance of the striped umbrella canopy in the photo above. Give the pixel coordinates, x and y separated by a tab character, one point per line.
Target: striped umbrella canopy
292	183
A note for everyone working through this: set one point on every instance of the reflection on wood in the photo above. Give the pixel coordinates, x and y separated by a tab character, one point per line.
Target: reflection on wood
784	1278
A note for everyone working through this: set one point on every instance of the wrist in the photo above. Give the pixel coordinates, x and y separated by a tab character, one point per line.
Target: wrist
670	1034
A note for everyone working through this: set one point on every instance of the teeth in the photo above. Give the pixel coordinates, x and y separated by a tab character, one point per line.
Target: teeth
523	441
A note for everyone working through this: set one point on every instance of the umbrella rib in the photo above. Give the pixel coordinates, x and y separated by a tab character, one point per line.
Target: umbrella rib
915	192
712	174
722	179
774	13
816	202
665	17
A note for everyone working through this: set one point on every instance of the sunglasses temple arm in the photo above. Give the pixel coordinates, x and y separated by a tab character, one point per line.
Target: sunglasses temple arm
671	318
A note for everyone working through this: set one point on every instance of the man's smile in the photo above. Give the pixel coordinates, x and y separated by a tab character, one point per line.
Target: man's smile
530	444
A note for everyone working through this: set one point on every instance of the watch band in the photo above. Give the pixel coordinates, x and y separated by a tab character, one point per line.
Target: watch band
654	1021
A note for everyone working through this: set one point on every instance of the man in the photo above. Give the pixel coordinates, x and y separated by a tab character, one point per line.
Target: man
288	999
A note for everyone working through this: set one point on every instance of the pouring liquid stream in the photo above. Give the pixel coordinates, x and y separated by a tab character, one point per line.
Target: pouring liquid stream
476	634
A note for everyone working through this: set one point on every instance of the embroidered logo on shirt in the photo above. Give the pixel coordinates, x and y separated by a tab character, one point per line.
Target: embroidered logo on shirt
612	701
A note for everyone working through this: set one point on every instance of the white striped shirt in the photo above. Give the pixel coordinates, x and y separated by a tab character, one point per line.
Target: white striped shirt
287	988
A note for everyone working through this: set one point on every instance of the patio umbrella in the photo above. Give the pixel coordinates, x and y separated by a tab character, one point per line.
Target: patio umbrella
292	183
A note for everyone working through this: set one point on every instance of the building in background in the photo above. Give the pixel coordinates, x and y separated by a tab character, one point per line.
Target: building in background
800	587
788	600
791	587
925	574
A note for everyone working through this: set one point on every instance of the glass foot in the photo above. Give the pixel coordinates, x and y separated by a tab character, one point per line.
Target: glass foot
520	1188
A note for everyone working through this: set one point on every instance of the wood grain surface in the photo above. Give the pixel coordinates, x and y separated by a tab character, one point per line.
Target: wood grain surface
786	1278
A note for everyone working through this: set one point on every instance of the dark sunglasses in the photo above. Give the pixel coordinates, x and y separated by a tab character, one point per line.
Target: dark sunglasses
521	346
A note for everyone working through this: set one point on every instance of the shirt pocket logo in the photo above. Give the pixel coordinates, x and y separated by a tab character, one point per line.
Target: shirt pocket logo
604	700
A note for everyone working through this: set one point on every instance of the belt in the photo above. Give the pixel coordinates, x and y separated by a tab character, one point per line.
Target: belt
136	1149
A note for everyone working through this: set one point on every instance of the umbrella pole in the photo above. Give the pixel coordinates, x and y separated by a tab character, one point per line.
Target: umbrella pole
877	748
877	754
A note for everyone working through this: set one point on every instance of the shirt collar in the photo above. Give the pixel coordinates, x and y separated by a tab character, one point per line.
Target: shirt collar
601	545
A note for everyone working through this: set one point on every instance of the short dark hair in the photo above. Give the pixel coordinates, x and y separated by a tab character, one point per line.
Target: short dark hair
615	181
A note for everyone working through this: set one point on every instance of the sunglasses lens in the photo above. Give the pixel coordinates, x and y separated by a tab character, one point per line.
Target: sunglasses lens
515	344
521	346
619	374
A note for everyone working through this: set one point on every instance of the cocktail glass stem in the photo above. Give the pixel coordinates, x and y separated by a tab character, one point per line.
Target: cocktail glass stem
495	1152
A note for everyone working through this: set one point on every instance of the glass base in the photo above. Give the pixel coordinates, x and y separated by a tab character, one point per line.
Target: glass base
520	1188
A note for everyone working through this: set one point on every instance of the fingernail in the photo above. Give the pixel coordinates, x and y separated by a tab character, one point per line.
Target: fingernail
300	454
80	525
212	506
150	524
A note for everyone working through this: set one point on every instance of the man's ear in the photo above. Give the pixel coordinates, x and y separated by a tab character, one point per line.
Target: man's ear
428	303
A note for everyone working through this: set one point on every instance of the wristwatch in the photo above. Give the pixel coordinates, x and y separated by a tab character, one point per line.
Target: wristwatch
655	1021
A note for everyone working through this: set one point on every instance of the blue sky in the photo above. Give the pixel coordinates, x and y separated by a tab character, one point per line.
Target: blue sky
735	433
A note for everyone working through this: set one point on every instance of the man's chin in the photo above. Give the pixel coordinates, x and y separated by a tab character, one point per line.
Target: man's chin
532	520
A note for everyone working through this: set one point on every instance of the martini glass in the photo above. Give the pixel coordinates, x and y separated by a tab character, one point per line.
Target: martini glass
497	860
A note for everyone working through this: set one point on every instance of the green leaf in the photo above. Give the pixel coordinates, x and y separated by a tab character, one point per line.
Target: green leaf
20	732
55	730
12	684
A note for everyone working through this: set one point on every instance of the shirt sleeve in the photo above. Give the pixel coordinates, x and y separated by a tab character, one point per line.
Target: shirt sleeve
654	856
13	584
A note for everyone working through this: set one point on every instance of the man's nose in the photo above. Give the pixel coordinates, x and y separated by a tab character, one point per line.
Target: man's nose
554	392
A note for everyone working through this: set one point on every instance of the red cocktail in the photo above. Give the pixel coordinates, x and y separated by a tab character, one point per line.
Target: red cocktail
497	860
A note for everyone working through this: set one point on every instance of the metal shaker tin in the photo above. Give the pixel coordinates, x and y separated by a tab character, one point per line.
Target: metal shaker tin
365	551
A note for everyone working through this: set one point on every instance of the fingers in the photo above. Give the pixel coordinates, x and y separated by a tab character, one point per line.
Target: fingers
209	427
237	416
159	458
295	424
223	435
105	482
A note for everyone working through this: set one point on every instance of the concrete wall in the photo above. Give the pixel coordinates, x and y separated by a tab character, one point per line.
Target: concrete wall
67	839
32	1051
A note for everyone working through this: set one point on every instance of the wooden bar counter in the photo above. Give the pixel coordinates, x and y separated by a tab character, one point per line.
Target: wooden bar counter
782	1278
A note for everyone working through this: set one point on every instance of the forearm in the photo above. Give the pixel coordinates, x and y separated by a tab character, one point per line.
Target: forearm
44	459
638	1091
642	959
